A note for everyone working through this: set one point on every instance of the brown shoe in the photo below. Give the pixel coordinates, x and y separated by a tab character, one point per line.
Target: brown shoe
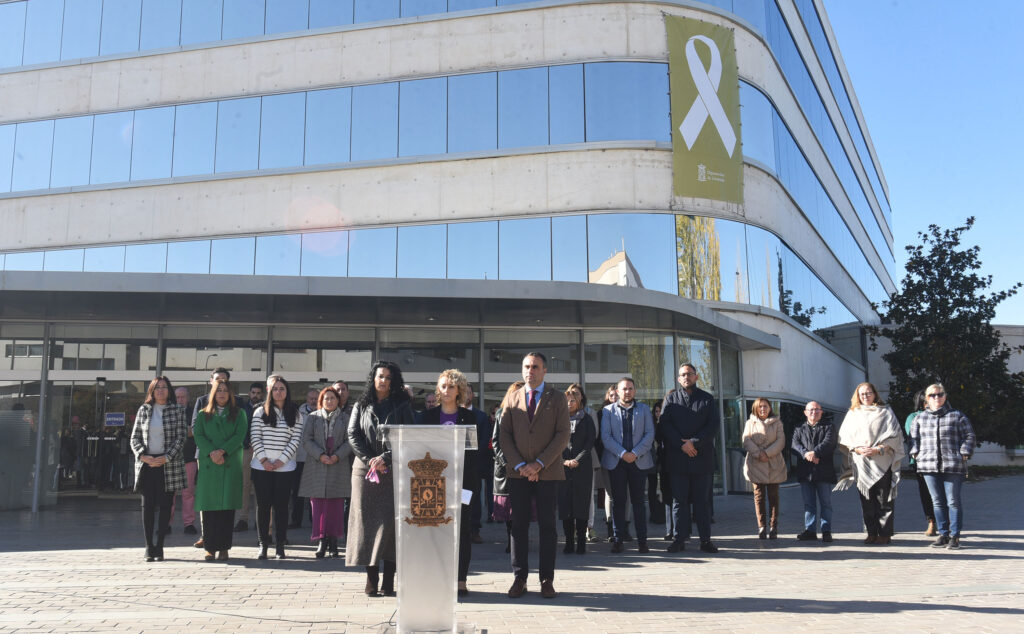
199	544
931	531
883	540
871	539
547	590
518	589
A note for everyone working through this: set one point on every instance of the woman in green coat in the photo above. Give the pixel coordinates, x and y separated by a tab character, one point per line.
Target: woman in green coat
219	431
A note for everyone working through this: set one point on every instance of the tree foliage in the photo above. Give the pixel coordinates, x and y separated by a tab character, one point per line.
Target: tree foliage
939	323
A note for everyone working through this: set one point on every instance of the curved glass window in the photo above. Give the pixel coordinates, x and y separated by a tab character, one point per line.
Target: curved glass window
712	259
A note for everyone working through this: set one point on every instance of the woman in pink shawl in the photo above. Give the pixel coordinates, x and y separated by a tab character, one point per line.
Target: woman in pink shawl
871	436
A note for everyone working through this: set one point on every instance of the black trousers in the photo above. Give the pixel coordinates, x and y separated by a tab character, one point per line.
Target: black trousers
218	529
300	506
273	490
465	542
521	493
155	501
695	488
926	498
622	477
879	507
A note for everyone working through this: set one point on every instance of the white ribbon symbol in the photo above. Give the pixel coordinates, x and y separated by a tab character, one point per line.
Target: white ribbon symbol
707	103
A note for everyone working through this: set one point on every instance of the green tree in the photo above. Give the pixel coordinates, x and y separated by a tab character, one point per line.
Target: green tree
698	258
939	323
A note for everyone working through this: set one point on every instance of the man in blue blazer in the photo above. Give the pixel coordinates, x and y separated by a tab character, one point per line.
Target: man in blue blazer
627	431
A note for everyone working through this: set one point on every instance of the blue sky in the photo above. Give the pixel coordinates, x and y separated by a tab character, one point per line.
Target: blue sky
940	85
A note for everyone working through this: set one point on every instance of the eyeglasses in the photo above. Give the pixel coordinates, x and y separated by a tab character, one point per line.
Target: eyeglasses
814	409
937	395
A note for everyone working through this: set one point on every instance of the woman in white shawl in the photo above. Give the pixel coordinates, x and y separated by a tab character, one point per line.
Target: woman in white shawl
872	437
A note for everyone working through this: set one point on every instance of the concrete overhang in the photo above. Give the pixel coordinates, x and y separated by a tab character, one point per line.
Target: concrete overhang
170	298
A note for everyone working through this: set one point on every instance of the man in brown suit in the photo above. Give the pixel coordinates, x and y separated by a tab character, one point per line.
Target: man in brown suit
534	429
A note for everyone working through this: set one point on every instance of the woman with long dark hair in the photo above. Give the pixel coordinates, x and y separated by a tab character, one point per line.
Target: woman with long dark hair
276	433
371	522
219	432
158	439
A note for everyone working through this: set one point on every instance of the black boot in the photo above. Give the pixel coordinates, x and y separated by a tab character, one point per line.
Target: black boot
569	528
611	533
372	580
387	584
581	536
280	552
332	546
322	549
263	551
627	537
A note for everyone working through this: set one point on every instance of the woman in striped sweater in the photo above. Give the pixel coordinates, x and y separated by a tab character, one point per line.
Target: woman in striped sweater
276	433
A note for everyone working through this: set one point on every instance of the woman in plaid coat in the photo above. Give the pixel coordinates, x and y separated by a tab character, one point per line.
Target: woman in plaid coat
158	439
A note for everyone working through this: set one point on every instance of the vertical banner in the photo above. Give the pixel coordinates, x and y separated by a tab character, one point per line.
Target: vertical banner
707	157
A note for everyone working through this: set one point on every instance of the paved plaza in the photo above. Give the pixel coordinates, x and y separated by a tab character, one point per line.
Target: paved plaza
80	568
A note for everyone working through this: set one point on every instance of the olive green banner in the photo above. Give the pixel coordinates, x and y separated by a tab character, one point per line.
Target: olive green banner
707	158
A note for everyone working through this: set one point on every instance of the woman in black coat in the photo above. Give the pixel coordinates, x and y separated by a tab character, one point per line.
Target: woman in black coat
453	391
574	491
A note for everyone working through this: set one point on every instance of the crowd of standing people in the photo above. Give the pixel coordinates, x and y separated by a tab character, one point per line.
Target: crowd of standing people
543	457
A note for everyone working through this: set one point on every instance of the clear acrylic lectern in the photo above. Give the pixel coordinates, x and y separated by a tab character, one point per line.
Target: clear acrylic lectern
427	461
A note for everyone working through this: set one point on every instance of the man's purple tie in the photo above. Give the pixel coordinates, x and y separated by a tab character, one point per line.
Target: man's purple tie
531	404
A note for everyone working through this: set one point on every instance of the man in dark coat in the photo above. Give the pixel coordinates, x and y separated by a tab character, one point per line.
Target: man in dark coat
686	429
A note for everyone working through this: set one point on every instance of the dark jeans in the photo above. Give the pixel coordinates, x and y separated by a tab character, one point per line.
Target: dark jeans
692	488
300	506
521	493
218	530
154	501
926	498
879	507
273	489
623	476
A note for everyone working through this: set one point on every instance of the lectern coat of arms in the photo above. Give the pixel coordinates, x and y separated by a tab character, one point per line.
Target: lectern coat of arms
427	492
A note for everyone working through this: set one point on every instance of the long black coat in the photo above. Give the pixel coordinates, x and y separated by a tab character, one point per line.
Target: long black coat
574	491
689	417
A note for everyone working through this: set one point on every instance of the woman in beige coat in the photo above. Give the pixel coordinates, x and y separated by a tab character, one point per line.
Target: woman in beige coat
764	440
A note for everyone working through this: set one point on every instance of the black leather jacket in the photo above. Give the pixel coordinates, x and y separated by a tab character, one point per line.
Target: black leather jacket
363	424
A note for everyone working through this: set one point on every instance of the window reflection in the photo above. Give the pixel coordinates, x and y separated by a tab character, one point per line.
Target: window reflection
111	147
423	107
370	10
72	147
632	250
372	252
278	255
104	260
232	256
243	18
32	261
701	354
374	121
200	21
569	249
81	35
32	155
120	31
711	257
328	116
412	8
188	257
567	104
63	260
325	253
287	15
645	356
418	350
523	249
161	24
763	253
523	107
473	250
43	22
504	350
145	258
6	156
473	112
324	13
627	100
195	132
756	119
12	33
462	5
152	143
422	251
238	136
282	125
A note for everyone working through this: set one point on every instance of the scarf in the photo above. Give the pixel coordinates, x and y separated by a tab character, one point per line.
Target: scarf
871	426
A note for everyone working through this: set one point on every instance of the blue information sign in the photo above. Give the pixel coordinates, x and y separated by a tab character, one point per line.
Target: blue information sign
113	419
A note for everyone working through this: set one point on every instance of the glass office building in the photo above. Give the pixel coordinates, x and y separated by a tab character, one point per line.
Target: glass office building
304	186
